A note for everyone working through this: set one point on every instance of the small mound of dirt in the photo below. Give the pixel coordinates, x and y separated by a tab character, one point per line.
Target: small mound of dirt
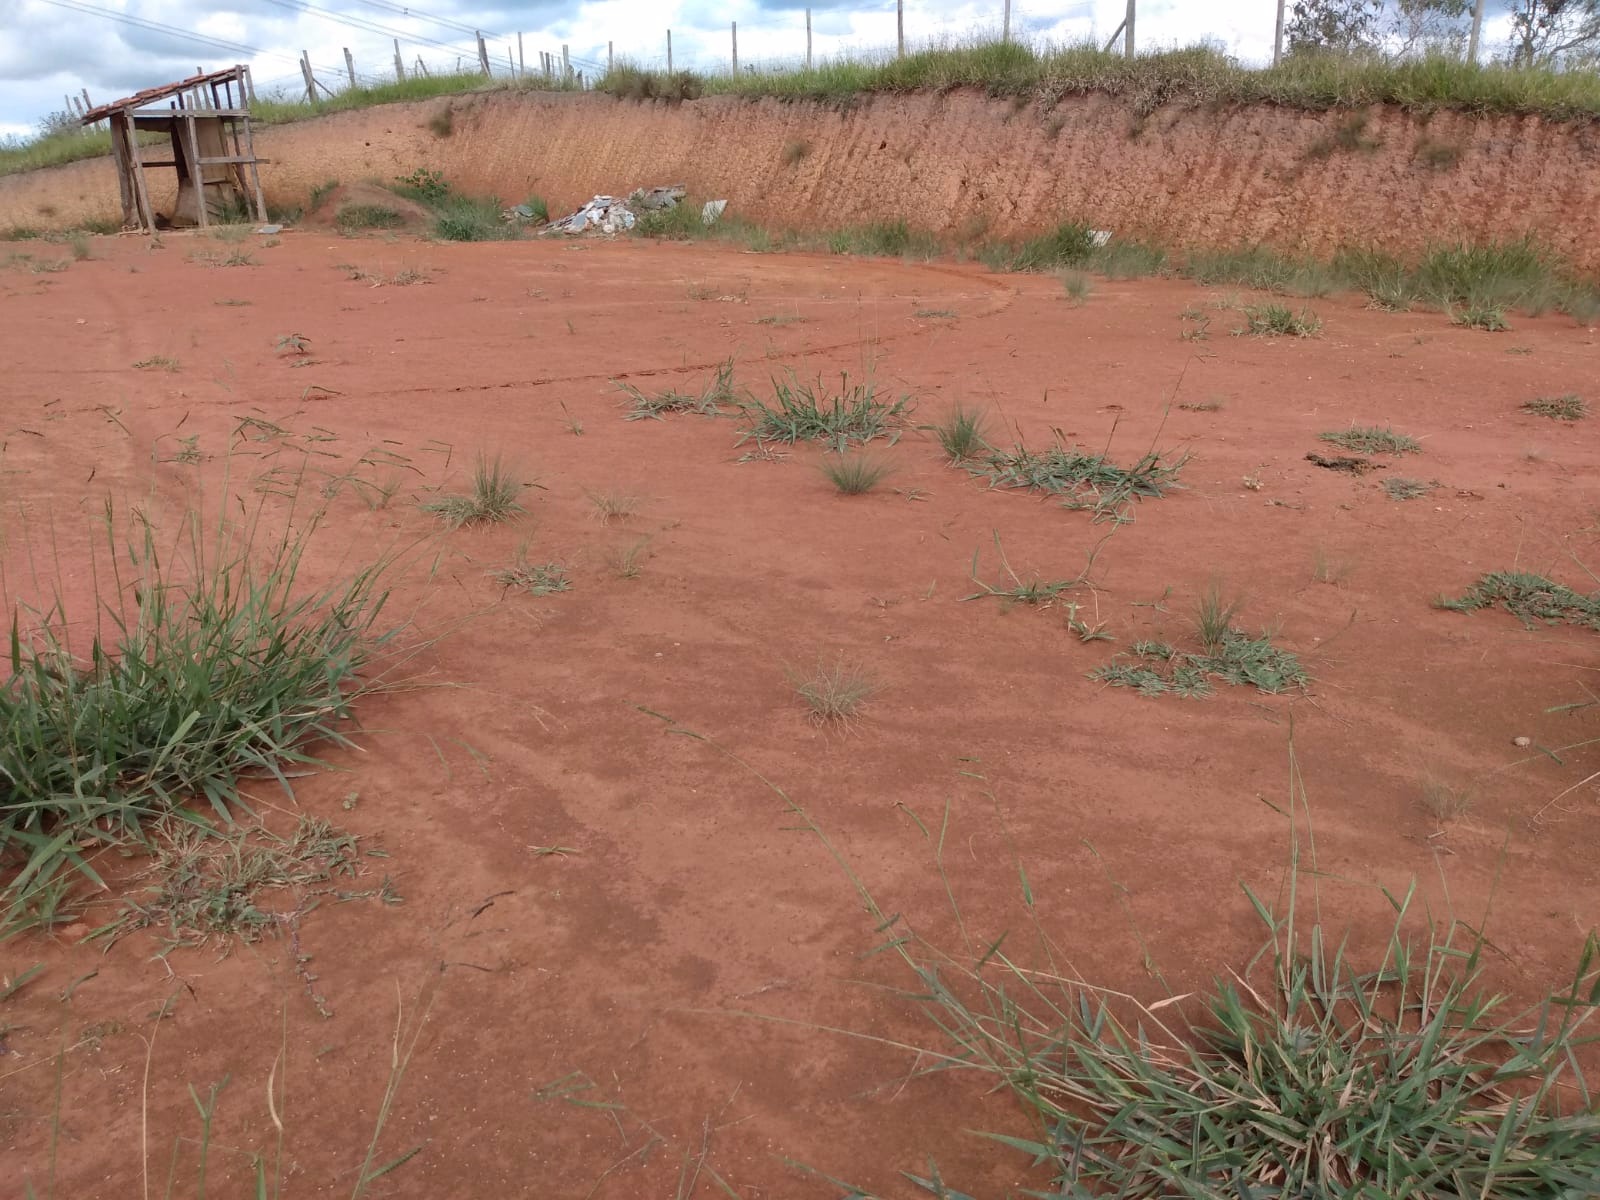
366	207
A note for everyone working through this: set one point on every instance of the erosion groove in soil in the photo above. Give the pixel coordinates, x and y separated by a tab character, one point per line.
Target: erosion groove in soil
957	162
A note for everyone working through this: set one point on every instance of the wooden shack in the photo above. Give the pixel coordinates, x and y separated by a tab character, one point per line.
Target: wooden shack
206	120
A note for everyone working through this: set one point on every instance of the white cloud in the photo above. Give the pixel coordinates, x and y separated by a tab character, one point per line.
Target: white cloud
52	48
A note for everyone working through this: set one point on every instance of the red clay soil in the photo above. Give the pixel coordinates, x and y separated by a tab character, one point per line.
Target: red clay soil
960	164
690	950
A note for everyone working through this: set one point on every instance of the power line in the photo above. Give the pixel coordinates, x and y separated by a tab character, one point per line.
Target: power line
412	11
368	26
169	30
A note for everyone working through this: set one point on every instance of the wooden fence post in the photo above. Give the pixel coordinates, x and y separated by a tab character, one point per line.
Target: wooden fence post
900	26
311	80
808	39
521	68
611	57
735	47
399	64
483	54
669	52
566	65
350	66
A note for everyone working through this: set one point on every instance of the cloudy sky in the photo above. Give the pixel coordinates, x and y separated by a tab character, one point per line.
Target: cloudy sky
49	48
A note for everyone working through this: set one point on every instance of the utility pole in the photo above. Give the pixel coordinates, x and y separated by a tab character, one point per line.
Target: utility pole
1127	32
1477	30
1277	37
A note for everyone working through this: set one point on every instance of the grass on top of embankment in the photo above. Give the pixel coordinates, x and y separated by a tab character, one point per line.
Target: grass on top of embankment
1197	75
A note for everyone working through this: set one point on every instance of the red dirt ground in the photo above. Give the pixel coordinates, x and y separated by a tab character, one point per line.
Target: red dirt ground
689	898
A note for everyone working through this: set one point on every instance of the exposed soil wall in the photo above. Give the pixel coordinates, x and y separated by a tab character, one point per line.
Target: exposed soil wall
960	163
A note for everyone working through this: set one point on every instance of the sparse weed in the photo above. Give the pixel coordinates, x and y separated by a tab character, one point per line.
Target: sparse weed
855	474
1196	325
836	694
1214	616
1278	320
1369	439
1156	668
1204	406
494	497
1570	407
1529	598
1399	487
1491	318
1034	591
1077	287
292	343
809	412
537	579
610	506
709	403
156	362
1446	803
960	434
1087	480
628	561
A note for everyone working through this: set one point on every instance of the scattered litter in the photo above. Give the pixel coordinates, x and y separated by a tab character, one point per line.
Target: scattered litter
270	229
524	211
609	215
1522	743
657	197
1099	236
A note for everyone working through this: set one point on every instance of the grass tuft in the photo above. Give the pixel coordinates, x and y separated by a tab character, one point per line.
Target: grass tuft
960	434
1077	288
1399	487
613	506
494	497
803	412
855	474
537	579
1279	320
836	694
1087	480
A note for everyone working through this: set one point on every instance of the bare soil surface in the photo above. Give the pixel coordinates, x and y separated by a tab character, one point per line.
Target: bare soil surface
960	164
689	951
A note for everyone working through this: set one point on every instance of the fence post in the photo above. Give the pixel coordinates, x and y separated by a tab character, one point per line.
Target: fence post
1005	27
611	57
1477	30
511	63
522	68
1127	31
808	39
350	66
1277	37
311	80
669	52
483	54
566	65
399	63
900	27
735	47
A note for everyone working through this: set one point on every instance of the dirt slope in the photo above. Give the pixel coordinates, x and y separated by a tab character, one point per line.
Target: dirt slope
961	162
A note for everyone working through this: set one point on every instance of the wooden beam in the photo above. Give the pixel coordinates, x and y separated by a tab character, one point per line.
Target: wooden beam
147	215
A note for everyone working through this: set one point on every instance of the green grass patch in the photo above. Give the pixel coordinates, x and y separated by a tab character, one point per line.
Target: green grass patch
356	218
1491	318
471	219
1570	407
210	660
806	412
1070	244
884	239
1157	669
1528	597
1369	439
